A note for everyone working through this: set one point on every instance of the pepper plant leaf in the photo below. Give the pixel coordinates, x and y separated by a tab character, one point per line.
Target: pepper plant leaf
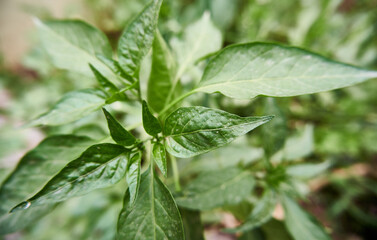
108	86
159	157
117	131
151	124
252	69
133	175
191	131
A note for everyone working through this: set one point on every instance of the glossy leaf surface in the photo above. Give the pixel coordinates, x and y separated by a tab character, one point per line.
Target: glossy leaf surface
191	131
252	69
71	107
133	175
151	124
218	188
118	132
154	215
159	157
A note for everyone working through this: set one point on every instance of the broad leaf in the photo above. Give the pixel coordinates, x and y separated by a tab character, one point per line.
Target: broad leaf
100	166
108	86
34	170
151	124
261	213
73	44
137	38
300	224
252	69
159	157
71	107
162	74
191	131
154	215
218	188
133	175
192	224
117	132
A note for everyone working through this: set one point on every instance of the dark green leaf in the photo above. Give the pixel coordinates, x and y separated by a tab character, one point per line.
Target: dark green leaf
218	188
252	69
151	124
191	131
192	224
137	38
99	166
71	107
261	213
154	215
117	132
301	224
109	87
34	170
133	176
162	74
159	157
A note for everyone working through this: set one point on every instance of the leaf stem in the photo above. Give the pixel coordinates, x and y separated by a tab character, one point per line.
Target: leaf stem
175	173
177	100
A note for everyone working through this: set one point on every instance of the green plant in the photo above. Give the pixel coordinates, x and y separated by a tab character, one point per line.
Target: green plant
241	71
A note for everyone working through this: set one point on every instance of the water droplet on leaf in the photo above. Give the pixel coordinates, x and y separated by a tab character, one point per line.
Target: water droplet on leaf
21	206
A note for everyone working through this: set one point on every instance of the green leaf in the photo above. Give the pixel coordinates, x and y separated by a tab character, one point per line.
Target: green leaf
217	188
191	131
192	224
159	157
137	38
117	132
162	74
133	176
73	44
71	107
34	170
299	146
115	67
154	215
109	87
151	124
100	166
252	69
300	224
308	170
261	213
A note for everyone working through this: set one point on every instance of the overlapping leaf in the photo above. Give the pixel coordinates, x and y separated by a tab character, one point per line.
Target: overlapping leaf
133	175
118	132
151	124
159	156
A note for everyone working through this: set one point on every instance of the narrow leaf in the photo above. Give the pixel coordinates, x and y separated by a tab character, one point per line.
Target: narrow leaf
133	176
154	215
308	170
71	107
218	188
191	131
117	131
162	74
137	38
109	87
300	224
99	166
159	157
192	224
32	172
151	124
252	69
261	213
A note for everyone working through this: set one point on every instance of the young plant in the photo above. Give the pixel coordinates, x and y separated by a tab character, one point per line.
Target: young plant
145	158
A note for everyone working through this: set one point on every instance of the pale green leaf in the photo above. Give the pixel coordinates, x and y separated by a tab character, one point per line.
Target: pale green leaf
133	175
252	69
137	38
191	131
308	170
100	166
71	107
217	188
301	224
192	224
32	172
300	145
117	131
154	215
150	123
106	85
159	157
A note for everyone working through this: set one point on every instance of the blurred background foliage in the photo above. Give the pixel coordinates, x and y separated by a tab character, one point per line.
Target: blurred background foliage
335	132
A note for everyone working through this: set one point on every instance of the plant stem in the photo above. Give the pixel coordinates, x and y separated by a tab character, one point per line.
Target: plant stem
175	173
177	100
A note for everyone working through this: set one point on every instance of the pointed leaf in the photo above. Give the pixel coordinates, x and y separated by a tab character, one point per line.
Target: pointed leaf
100	166
252	69
162	74
133	176
73	44
137	38
71	107
151	124
108	86
159	157
301	224
32	172
191	131
308	170
154	215
261	213
117	132
115	67
217	188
